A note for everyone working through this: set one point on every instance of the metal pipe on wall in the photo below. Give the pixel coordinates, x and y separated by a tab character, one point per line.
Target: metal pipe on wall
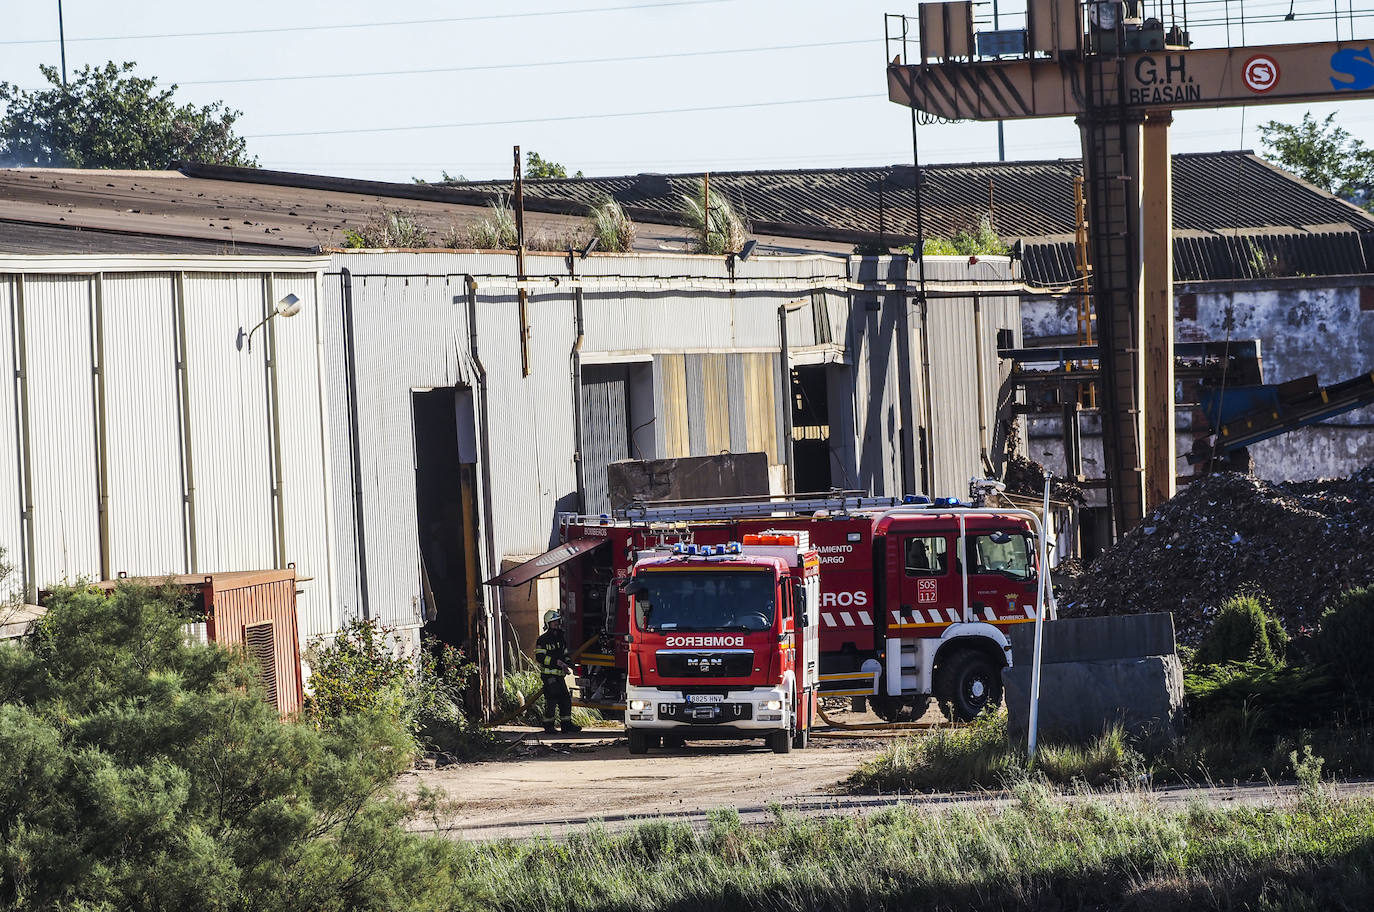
575	357
21	371
102	432
184	391
786	404
355	446
494	632
274	405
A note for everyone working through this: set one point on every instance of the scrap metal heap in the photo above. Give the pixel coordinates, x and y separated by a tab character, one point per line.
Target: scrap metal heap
1300	543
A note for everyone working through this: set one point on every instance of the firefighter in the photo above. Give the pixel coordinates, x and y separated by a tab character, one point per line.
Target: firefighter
551	654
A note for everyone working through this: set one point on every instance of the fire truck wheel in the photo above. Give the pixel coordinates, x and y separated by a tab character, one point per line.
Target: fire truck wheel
780	742
906	709
966	683
639	742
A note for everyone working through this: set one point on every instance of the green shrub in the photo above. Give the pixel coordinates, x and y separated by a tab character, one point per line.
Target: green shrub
1245	630
1343	643
364	668
1261	699
519	684
144	771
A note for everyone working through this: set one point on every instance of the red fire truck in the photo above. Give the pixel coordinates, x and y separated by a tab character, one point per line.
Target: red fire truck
915	596
723	642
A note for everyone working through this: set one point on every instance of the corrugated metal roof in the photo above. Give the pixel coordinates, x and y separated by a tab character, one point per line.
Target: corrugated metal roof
1252	255
1213	191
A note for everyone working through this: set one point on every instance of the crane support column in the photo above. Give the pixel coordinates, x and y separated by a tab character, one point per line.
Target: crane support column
1112	146
1157	219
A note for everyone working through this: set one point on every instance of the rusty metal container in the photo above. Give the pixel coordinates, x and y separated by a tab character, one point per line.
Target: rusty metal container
256	610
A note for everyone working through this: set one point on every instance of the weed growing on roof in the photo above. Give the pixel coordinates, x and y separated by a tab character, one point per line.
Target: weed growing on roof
719	229
611	227
392	229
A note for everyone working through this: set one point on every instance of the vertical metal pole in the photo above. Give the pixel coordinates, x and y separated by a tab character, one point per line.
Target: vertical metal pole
706	210
521	293
274	391
62	41
786	359
1158	334
102	439
355	444
1001	135
183	375
21	370
1043	582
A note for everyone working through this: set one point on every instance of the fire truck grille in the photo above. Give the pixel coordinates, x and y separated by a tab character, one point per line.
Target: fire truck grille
706	664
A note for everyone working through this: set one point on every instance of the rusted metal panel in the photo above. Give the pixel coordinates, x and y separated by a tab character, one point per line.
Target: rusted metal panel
236	602
59	371
143	430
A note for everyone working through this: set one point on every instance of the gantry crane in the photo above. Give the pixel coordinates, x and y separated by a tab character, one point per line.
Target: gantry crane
1121	74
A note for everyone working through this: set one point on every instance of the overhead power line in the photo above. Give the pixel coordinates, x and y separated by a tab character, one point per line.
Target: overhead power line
561	117
635	7
533	64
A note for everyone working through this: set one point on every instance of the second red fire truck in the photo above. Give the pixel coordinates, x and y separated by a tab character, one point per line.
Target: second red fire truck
912	601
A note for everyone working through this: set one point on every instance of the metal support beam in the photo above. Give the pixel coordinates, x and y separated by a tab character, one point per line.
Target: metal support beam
1156	237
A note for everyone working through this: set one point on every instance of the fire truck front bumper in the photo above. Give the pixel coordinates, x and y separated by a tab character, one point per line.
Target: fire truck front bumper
738	712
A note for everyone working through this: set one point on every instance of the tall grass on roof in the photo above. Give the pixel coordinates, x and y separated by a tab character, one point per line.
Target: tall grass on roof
719	229
392	229
614	231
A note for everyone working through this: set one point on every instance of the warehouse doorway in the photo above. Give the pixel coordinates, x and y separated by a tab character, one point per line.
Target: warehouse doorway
446	515
811	428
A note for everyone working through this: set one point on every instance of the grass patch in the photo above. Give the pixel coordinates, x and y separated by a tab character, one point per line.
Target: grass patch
516	688
982	755
1040	854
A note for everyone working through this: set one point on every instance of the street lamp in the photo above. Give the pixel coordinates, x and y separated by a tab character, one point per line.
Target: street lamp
288	306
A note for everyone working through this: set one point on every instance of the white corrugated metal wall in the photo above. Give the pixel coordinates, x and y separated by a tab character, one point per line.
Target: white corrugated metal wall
117	331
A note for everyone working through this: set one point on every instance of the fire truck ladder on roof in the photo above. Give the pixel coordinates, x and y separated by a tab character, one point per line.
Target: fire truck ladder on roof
847	502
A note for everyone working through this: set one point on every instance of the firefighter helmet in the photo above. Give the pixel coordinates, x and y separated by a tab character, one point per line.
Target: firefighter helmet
552	617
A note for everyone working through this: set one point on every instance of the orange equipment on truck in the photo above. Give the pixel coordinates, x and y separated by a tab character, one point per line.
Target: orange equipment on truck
915	597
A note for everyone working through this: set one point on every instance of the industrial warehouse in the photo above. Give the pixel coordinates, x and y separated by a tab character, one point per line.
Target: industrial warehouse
796	509
401	426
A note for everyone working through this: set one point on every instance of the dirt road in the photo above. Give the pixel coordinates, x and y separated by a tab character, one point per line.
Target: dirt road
573	780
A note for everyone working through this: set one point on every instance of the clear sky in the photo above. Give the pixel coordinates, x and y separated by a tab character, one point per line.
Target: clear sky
329	88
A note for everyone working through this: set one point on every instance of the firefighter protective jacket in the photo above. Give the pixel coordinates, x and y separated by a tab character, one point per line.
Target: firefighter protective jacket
550	650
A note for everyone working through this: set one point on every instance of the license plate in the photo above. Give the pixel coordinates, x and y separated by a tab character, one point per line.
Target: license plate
704	698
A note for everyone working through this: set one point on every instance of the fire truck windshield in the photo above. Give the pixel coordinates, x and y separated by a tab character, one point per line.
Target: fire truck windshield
1007	553
672	600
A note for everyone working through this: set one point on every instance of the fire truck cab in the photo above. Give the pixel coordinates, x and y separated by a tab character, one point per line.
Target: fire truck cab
723	642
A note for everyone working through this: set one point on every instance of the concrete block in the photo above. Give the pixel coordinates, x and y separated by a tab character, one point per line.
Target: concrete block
1093	639
1081	700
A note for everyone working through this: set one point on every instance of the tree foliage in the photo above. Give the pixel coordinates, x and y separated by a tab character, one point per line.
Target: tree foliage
537	166
1324	154
143	771
106	117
